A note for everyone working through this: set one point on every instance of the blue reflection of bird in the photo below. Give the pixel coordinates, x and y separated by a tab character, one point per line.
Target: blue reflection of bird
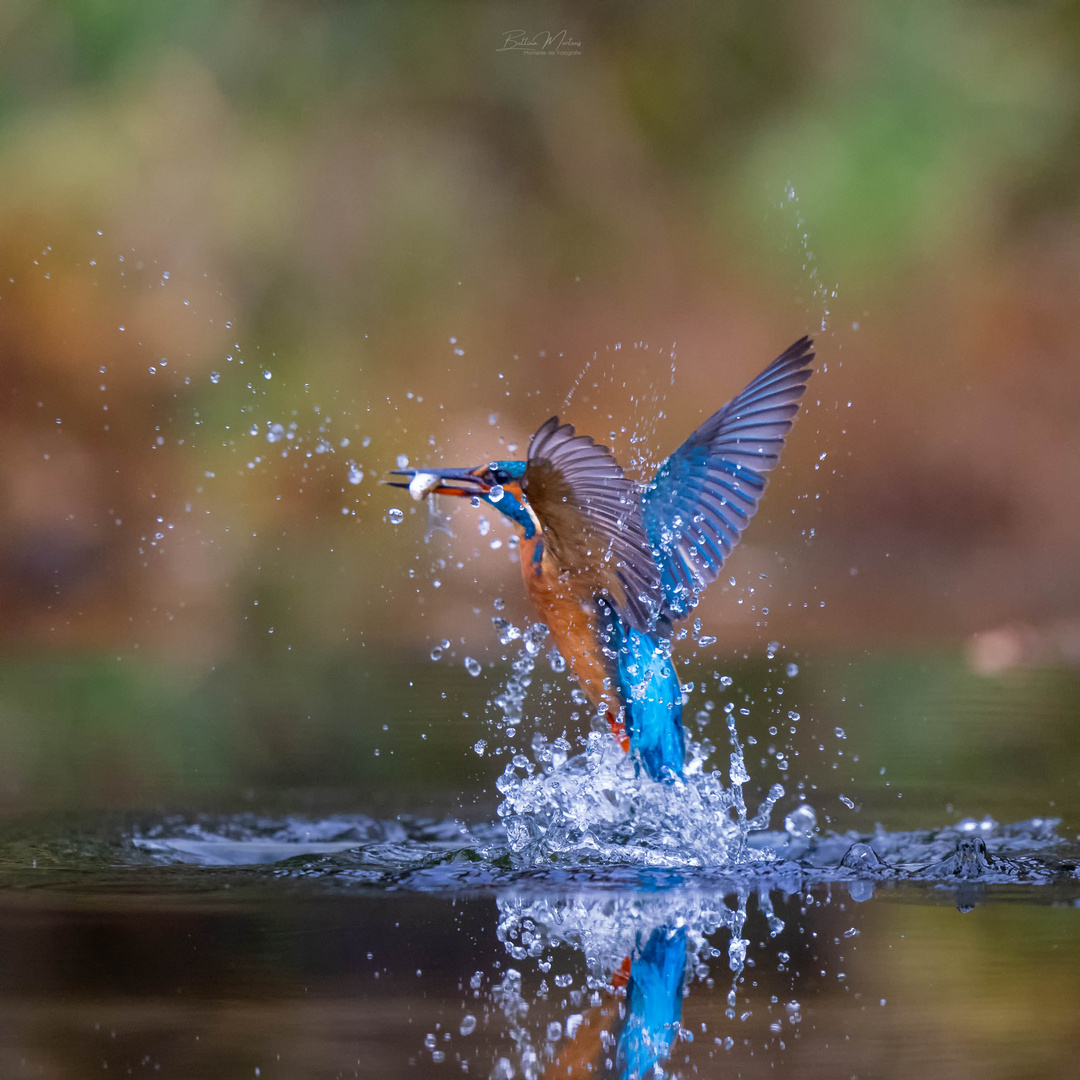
643	1028
610	564
653	1003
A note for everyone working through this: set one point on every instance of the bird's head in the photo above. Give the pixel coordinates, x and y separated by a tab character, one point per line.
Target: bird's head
499	483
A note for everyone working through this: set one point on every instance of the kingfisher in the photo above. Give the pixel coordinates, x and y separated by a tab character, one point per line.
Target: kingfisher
611	564
638	1018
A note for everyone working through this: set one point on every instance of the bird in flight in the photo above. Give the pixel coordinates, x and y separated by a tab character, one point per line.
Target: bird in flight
611	564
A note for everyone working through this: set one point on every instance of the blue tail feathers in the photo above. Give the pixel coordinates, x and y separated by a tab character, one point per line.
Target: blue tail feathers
652	699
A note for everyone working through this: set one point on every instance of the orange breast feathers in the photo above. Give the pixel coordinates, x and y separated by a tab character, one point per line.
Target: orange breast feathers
570	618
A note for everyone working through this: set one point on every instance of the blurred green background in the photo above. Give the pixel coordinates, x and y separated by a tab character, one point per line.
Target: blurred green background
375	226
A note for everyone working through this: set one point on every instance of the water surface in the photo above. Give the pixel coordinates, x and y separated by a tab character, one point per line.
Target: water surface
567	922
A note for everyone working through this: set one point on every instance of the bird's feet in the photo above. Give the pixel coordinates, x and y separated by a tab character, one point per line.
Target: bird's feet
618	729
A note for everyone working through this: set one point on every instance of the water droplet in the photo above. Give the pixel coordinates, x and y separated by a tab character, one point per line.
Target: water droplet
267	375
738	772
356	474
839	733
801	822
496	493
507	631
395	515
706	640
468	1024
403	461
275	433
472	666
534	638
860	857
436	653
480	746
847	802
215	376
792	670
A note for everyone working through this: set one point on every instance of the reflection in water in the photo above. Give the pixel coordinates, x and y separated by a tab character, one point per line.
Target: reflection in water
616	967
653	1002
369	943
615	893
629	1036
640	951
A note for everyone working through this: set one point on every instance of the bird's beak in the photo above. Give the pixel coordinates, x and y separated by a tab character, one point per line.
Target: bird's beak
421	483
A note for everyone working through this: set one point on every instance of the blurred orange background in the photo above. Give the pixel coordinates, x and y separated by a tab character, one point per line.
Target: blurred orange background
373	222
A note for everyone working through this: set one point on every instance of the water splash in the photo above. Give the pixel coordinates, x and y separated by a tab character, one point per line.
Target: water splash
607	929
510	701
599	805
641	952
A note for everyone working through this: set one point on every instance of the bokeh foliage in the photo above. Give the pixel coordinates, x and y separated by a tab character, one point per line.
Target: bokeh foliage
336	191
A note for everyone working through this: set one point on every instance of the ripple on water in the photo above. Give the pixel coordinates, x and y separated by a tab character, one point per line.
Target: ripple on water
572	826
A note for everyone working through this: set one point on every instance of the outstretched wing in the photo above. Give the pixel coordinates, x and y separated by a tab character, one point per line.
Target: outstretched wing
704	495
591	520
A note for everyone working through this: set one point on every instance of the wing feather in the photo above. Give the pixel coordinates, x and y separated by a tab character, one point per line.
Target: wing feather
590	514
703	496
